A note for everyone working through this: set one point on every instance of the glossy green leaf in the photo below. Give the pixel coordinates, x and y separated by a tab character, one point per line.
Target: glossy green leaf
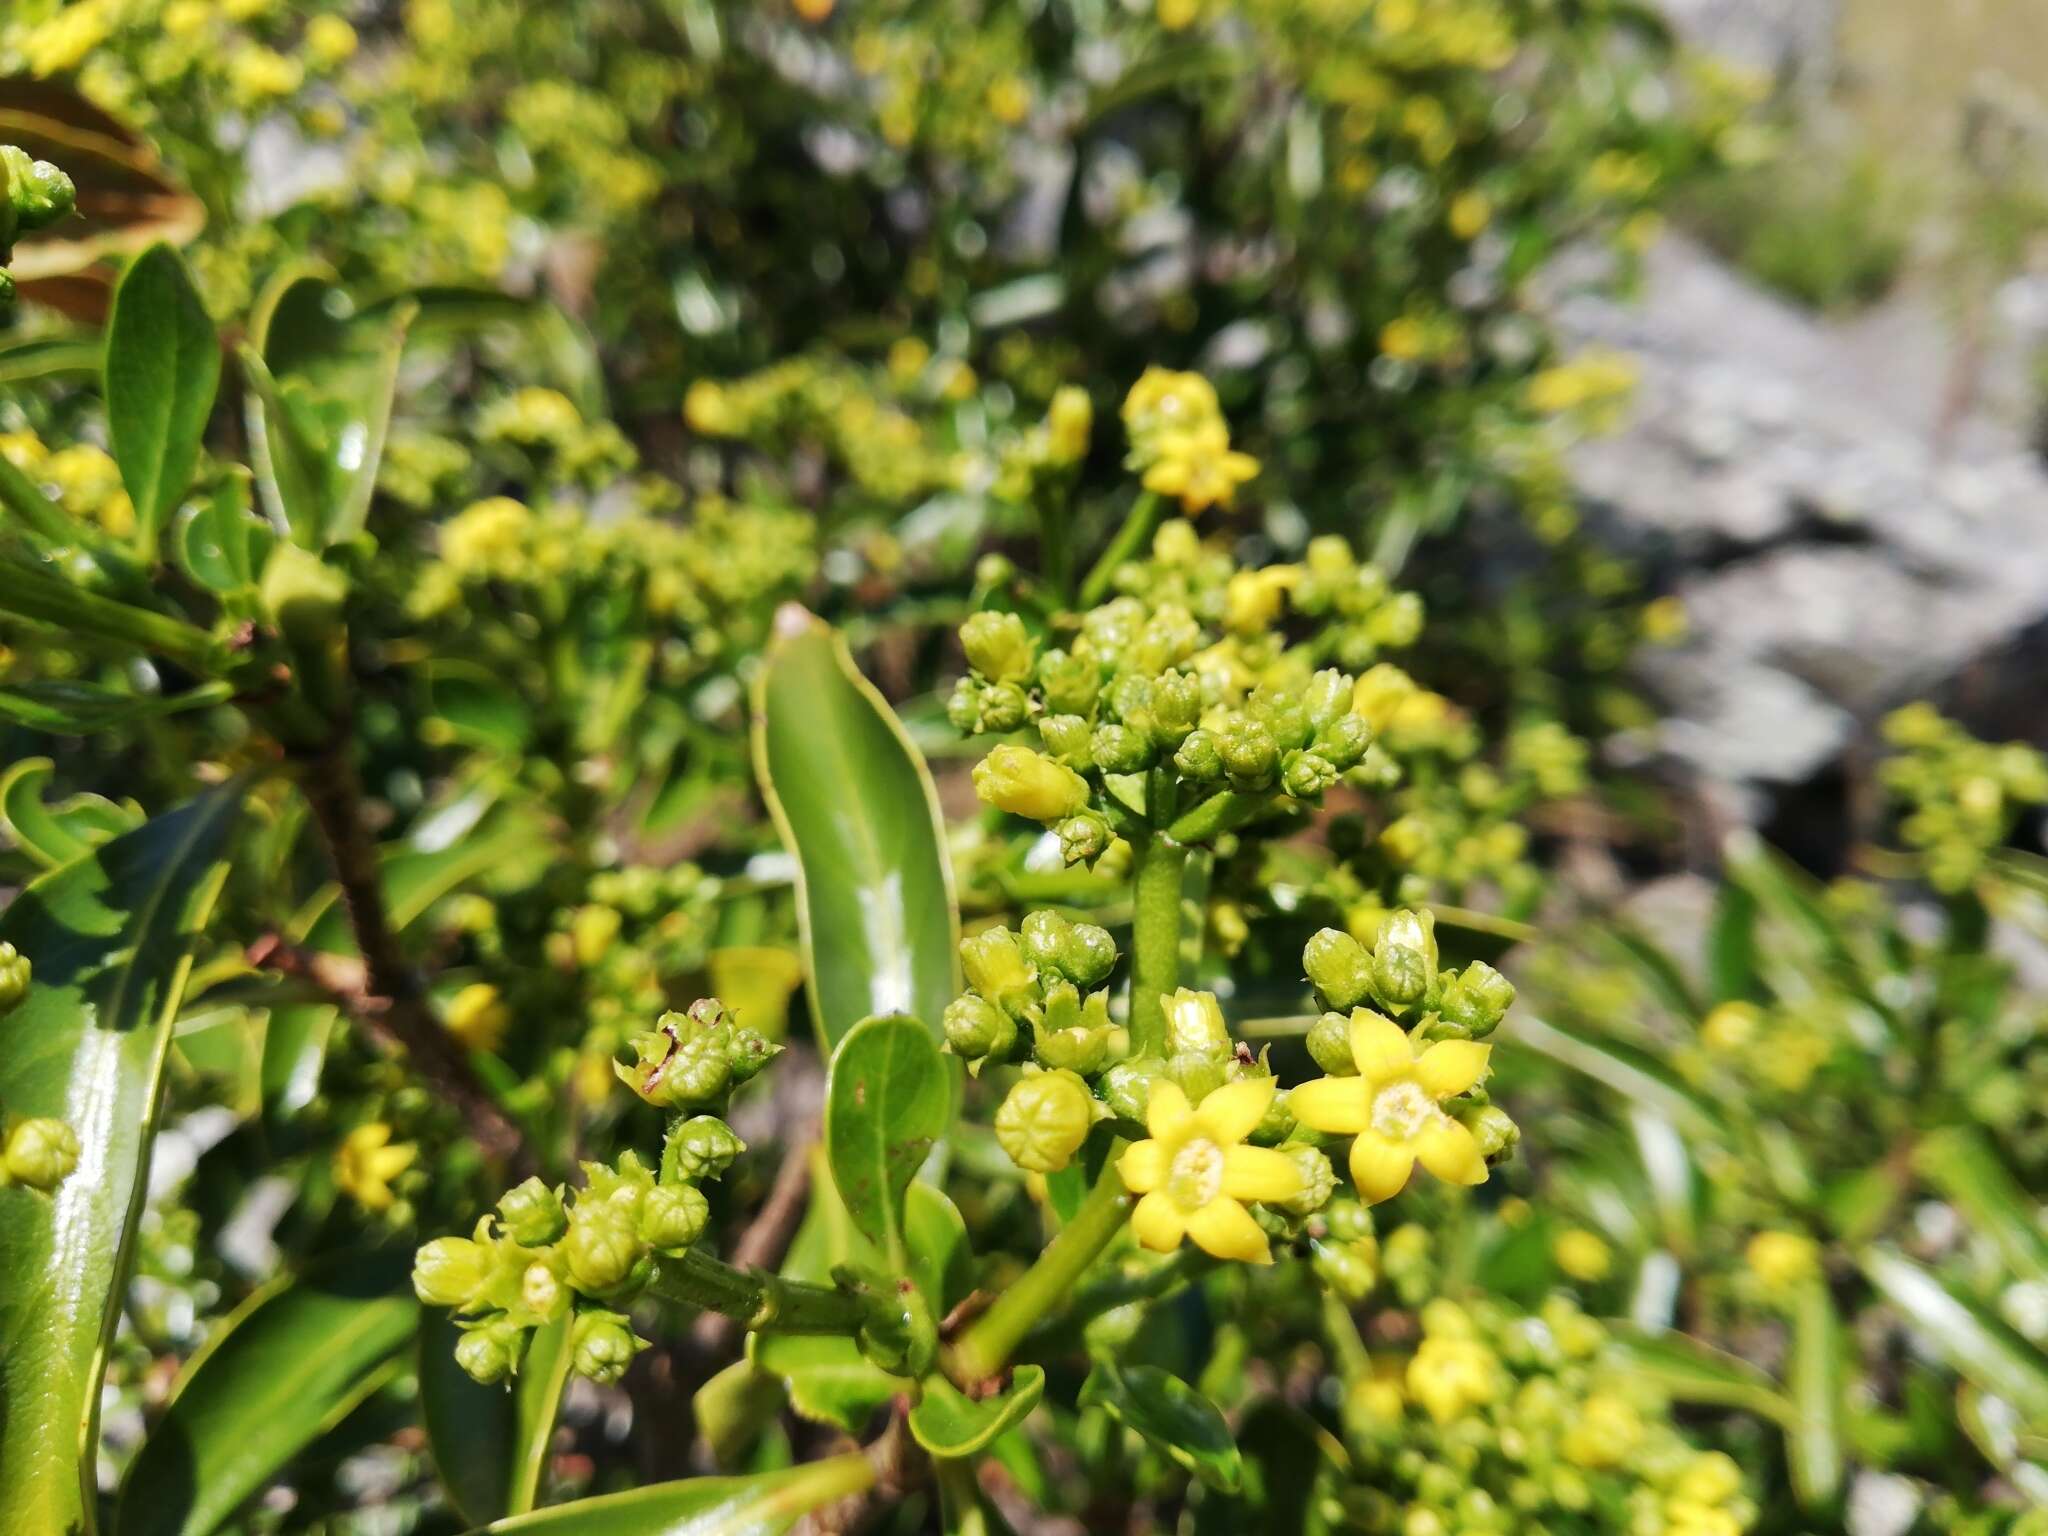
1960	1163
764	1504
1689	1371
856	808
1813	1376
888	1101
947	1422
1980	1347
489	1443
222	545
477	706
56	834
47	357
1634	1074
289	1366
1286	1464
162	372
1172	1415
111	935
82	709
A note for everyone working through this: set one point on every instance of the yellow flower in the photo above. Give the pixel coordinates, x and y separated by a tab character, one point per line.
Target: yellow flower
1470	213
1176	15
487	537
1782	1260
708	409
258	72
1731	1026
1450	1376
1163	401
1009	99
1582	1255
1068	421
1027	783
366	1163
1394	1107
1253	599
478	1016
1195	1174
1605	1432
1200	467
329	40
592	928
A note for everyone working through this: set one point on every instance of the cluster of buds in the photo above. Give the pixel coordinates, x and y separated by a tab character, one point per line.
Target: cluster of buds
1501	1421
1048	455
1961	796
694	1060
36	1153
544	1253
34	194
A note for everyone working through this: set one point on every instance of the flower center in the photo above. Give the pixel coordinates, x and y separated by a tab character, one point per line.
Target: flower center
1401	1109
1196	1174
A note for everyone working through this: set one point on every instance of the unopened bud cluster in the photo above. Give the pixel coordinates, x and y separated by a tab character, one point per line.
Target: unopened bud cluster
693	1060
34	194
37	1153
1961	797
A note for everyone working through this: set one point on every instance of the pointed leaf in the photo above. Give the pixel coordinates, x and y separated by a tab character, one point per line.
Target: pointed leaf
765	1504
82	709
856	808
1689	1371
111	936
1980	1347
1813	1375
947	1422
222	546
1633	1073
888	1101
1971	1176
1172	1415
490	1444
163	370
289	1366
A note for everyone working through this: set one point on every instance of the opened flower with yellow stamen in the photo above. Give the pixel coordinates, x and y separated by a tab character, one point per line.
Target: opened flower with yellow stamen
1195	1173
365	1164
1199	467
1394	1107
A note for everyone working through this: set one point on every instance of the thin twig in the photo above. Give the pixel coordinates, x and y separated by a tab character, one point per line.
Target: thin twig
764	1242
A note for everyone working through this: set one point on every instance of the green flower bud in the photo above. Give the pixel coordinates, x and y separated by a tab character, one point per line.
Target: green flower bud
37	194
1250	755
995	967
1494	1130
1029	784
1066	737
998	646
1349	1269
1120	748
1044	1120
1327	697
673	1216
603	1248
1338	968
14	978
1476	998
1176	707
963	707
1305	776
699	1148
1194	1025
602	1345
1284	717
1081	952
1077	1048
976	706
41	1153
976	1028
1318	1179
1084	837
1404	960
748	1052
451	1272
1198	1073
1127	1086
1199	758
1342	743
1040	937
532	1214
1329	1042
1070	684
541	1291
491	1352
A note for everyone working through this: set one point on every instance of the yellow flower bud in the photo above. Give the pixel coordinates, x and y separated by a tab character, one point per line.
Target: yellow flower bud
478	1017
1582	1255
1029	784
1782	1260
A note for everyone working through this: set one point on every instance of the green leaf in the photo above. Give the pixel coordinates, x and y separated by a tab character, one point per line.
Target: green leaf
163	370
57	834
1657	970
222	546
1813	1375
947	1422
1285	1467
856	808
489	1444
1960	1163
1689	1371
111	935
82	709
478	706
1634	1074
764	1504
47	357
287	1367
1172	1415
1731	946
888	1101
1979	1346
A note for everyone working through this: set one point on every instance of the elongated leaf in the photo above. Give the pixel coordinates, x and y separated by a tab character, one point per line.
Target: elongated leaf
1172	1415
1731	946
1692	1372
1971	1176
888	1101
489	1444
111	935
947	1422
47	357
163	370
56	834
765	1504
1659	972
1814	1376
857	810
1981	1348
1635	1074
81	709
289	1366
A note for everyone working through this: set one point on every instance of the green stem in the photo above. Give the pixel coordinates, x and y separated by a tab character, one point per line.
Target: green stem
1222	812
764	1301
1186	1266
985	1348
32	593
1344	1339
1056	539
1155	939
1130	539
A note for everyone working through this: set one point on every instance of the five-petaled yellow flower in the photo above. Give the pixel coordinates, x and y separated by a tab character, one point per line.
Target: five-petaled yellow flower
1394	1107
1195	1174
365	1164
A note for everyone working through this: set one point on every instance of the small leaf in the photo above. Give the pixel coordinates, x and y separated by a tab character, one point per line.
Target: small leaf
1813	1375
289	1366
1970	1175
1689	1371
888	1101
764	1504
947	1422
1980	1347
1172	1415
477	706
1635	1074
222	546
1287	1459
855	806
84	709
163	370
1731	946
57	834
111	935
489	1443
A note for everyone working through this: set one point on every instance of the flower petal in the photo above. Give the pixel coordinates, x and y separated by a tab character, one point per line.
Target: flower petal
1158	1223
1451	1066
1143	1166
1450	1152
1380	1167
1225	1230
1234	1111
1167	1111
1259	1173
1379	1045
1342	1106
